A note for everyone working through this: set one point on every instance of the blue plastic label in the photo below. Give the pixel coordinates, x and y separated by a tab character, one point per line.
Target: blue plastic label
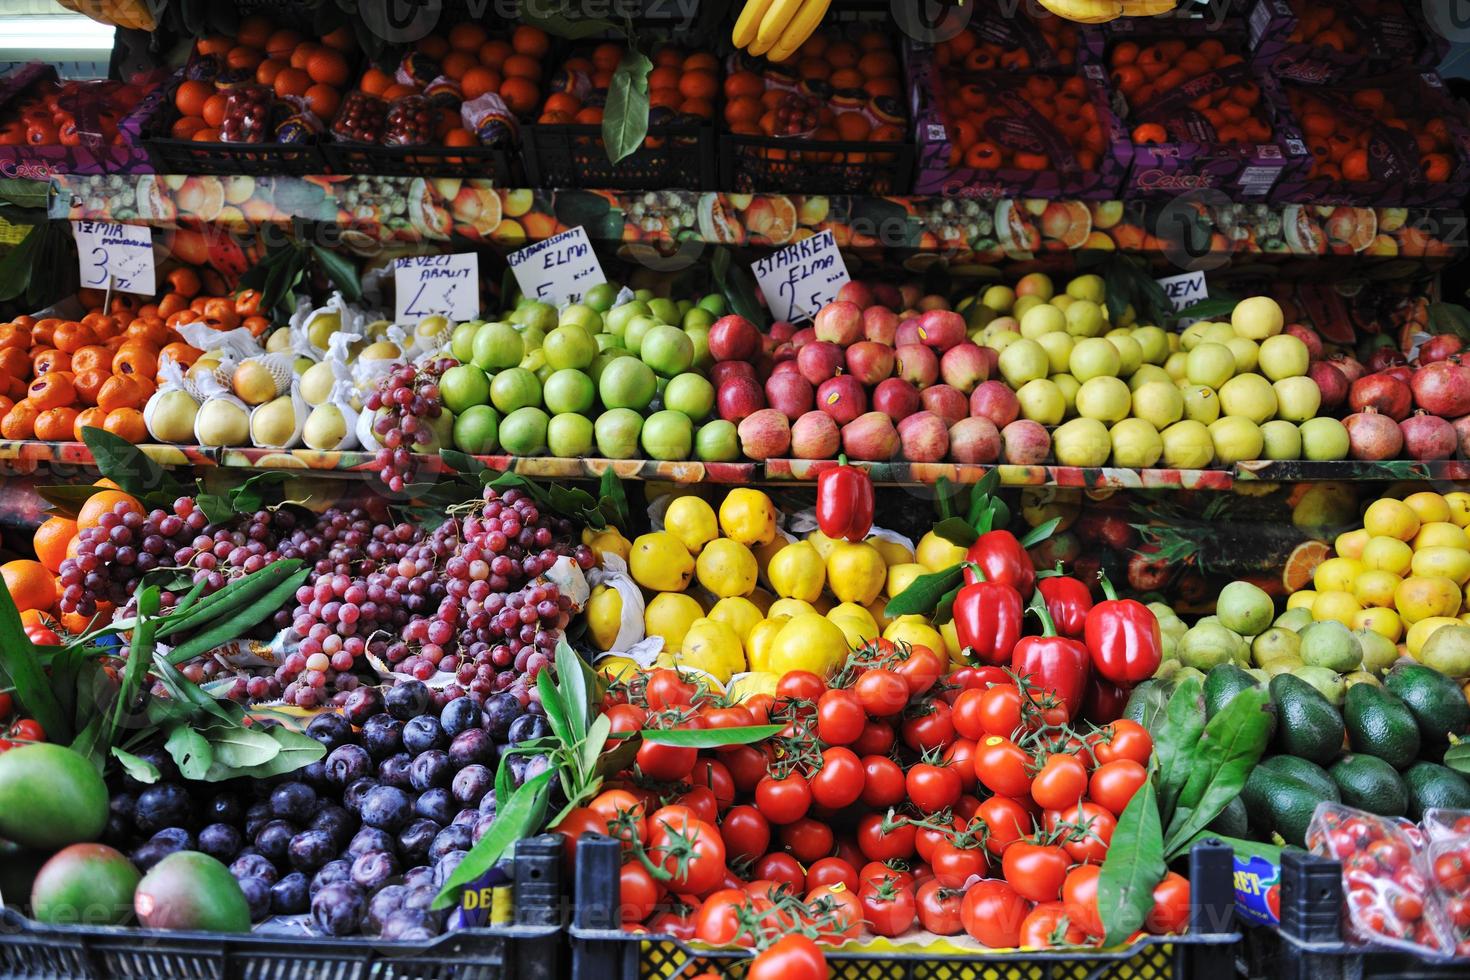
1258	890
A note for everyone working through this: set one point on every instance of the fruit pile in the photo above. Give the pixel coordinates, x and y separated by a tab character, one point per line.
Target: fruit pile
46	114
682	87
1326	43
1156	78
1449	862
1030	40
1055	113
1371	133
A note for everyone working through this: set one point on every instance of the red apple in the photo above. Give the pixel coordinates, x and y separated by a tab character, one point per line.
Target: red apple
1026	443
924	438
907	332
818	361
815	436
738	397
789	393
887	295
1308	336
856	293
917	364
896	398
1331	382
842	397
764	434
803	337
946	401
722	371
785	365
870	362
995	401
733	338
839	322
782	331
871	438
941	329
964	366
974	440
880	324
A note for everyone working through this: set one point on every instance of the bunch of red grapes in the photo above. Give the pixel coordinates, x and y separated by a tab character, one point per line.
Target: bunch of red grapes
405	400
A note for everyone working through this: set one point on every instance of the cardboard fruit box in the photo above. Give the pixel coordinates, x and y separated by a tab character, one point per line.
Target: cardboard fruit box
1323	42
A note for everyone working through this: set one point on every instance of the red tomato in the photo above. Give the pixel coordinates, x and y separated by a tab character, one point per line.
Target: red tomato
881	692
638	892
783	800
840	717
778	866
840	781
747	833
717	923
1048	925
1061	782
832	871
1002	766
701	800
694	854
807	839
680	925
877	739
1000	710
932	788
925	838
888	909
992	912
922	668
800	685
666	763
5	704
759	706
1123	739
933	729
1114	783
1088	843
1079	896
626	717
667	689
1171	905
746	764
883	782
43	636
793	957
713	774
878	872
1036	871
881	844
939	908
578	821
965	713
954	865
846	908
26	730
1008	820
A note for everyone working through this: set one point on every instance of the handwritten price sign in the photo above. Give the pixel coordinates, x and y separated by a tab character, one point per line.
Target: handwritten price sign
802	278
115	255
446	285
558	270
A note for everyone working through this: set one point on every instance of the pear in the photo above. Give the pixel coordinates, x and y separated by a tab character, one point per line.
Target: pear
254	383
172	416
325	428
221	422
274	423
316	383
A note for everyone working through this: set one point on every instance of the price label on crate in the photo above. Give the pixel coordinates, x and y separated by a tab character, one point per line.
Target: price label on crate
116	255
559	269
448	285
1185	290
802	278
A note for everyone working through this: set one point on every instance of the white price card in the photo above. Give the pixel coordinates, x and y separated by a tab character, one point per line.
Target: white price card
114	255
559	269
1185	290
448	285
800	279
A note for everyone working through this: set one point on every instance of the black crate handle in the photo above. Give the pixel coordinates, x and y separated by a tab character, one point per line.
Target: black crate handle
1311	897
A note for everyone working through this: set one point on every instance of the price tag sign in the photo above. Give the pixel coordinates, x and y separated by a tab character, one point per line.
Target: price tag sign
559	269
448	285
802	278
115	255
1185	290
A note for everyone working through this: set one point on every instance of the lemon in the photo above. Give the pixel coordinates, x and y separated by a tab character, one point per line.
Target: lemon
952	648
1441	534
751	684
762	639
915	631
660	562
713	647
1421	597
860	631
1446	562
1459	507
748	516
618	668
1429	506
1301	600
902	576
1423	630
726	568
608	540
1391	518
893	552
1387	554
791	607
765	552
1339	606
1384	622
739	613
876	610
808	642
936	553
855	572
1349	544
604	614
669	616
1376	587
820	541
1337	574
692	521
797	572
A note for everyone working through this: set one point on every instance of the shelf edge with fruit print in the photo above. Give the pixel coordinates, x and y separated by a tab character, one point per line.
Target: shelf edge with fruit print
653	225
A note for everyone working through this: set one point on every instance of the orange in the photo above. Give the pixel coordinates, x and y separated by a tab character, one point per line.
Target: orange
55	424
19	422
37	617
191	96
434	46
214	110
300	56
398	91
267	70
327	67
29	584
120	391
139	361
477	81
282	42
126	423
743	109
51	390
89	383
91	418
467	37
530	40
876	64
105	502
375	81
14	363
180	353
342	39
520	94
698	85
323	100
185	127
48	359
254	31
242	58
71	337
701	61
590	116
743	83
213	44
494	53
607	55
665	76
206	135
292	81
52	539
522	66
456	63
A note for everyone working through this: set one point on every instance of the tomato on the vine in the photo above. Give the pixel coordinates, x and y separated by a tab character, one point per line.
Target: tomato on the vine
881	844
883	782
840	717
1079	897
793	957
1036	871
888	909
714	775
785	799
701	800
759	706
680	925
638	892
800	685
1003	766
779	866
1007	819
832	871
578	821
939	908
930	728
665	763
807	839
693	853
974	678
877	738
1061	782
747	833
932	788
746	765
717	921
626	717
1122	739
666	688
1000	710
882	693
1171	905
920	670
1114	783
1088	843
955	864
925	838
893	871
43	636
1048	925
846	909
992	912
840	781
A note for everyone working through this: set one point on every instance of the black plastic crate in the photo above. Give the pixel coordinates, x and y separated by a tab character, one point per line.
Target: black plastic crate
175	156
499	163
1309	944
528	948
677	156
793	165
601	950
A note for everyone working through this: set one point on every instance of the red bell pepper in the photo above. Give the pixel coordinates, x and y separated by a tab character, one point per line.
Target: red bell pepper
987	620
1000	556
1052	663
1123	638
1105	700
844	502
1068	600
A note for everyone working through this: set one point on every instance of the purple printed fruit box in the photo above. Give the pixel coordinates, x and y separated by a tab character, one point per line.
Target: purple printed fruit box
1324	42
1395	141
1195	115
81	145
983	135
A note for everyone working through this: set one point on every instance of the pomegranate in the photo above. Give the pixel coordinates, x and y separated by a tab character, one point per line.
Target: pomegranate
1440	347
1462	429
1331	382
1308	336
1348	365
1385	357
1373	436
1388	395
1443	388
1400	372
1429	437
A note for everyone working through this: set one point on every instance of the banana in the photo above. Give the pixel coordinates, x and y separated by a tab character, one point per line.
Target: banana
1085	11
800	28
774	23
748	22
1148	8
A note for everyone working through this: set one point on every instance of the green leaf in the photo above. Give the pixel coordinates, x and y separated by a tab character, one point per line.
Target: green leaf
296	750
1040	533
1175	741
556	712
710	738
571	28
190	750
126	465
571	500
238	747
216	508
247	496
1242	848
67	500
597	734
574	688
1232	745
625	117
1457	757
613	498
943	493
518	817
20	668
340	270
1208	309
1449	318
956	531
140	769
15	267
462	462
925	592
1133	867
944	611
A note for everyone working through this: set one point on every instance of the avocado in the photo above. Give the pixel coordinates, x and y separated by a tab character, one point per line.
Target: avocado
1371	784
1313	775
1434	785
50	797
85	884
1436	702
1222	684
1307	725
1232	821
1147	702
1379	724
1281	803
